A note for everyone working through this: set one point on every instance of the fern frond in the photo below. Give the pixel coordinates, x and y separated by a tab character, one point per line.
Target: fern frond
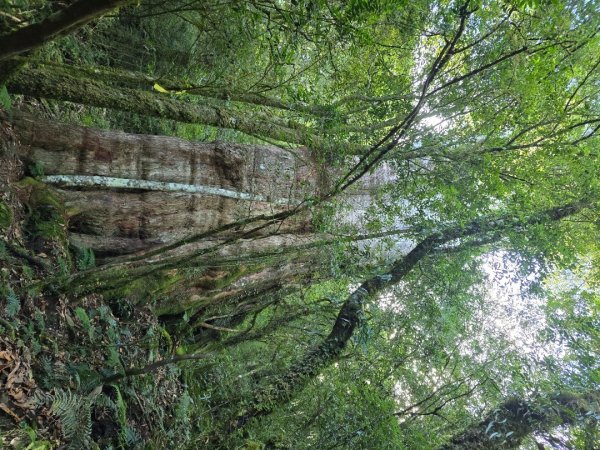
102	401
86	259
47	379
13	303
75	414
131	437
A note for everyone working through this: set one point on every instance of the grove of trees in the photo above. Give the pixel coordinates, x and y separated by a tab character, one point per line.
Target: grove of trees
300	224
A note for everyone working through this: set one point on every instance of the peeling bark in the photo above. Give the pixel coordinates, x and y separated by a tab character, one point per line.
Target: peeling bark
140	191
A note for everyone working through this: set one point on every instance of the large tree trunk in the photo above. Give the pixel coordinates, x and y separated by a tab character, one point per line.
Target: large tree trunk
184	225
53	83
126	192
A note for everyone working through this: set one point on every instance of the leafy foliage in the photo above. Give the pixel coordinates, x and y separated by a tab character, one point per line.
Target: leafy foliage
474	109
74	413
5	98
86	259
13	303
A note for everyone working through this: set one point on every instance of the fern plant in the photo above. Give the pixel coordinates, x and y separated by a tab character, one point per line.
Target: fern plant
5	98
131	437
86	258
47	377
64	269
86	322
3	251
75	414
13	303
36	169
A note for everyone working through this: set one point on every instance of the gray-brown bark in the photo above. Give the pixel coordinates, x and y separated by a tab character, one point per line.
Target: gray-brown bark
125	220
237	256
510	423
58	24
233	270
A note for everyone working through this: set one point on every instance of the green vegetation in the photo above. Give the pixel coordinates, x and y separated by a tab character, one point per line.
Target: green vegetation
5	216
435	285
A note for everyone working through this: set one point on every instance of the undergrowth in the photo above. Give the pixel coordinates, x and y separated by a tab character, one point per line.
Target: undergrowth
57	351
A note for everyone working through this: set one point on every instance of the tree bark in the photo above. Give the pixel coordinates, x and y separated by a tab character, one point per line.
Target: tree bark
151	207
226	271
140	80
224	183
125	192
511	422
58	24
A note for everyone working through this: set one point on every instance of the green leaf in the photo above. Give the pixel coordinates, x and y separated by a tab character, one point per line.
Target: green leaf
5	98
159	88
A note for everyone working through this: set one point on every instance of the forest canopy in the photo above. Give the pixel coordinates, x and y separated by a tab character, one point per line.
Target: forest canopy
275	224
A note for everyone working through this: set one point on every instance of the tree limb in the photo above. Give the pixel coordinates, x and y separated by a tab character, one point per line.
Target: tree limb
58	24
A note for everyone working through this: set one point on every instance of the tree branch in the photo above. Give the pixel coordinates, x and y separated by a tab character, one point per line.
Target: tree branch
59	24
330	349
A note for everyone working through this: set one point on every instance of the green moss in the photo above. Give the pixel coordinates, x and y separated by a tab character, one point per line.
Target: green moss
46	223
142	289
172	291
209	288
224	278
41	194
6	216
181	304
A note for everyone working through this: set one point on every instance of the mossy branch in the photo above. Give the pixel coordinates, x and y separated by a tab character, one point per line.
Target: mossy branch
152	367
59	24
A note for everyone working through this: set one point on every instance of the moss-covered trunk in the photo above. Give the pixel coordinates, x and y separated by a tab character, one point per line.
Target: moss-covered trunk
53	83
126	195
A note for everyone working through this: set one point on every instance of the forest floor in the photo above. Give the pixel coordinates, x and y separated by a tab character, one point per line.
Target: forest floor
56	353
